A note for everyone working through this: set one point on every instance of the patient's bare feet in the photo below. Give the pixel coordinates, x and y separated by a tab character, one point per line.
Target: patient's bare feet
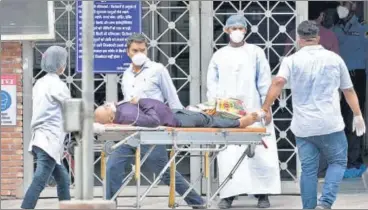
247	120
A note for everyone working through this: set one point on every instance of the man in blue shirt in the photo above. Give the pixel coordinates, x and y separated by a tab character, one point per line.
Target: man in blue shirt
145	78
353	43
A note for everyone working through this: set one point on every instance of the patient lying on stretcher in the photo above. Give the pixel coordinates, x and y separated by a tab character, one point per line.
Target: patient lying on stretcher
153	113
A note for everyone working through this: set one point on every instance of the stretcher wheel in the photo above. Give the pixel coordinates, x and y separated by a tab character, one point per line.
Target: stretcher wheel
108	147
251	150
175	205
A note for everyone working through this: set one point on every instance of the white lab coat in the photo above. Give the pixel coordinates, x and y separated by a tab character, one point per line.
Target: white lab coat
48	134
244	73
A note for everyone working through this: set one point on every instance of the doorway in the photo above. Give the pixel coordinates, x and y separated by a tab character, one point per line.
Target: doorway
314	7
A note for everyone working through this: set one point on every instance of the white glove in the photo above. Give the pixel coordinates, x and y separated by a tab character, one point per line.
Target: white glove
98	128
261	115
359	125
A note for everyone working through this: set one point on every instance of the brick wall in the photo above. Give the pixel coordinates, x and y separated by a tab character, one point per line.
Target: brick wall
12	137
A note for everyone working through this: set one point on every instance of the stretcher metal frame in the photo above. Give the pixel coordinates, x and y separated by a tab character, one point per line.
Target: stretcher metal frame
208	140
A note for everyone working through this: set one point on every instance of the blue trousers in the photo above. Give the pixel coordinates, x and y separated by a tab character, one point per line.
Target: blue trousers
46	166
156	161
334	148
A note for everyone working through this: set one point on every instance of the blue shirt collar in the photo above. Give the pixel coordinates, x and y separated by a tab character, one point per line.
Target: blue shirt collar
353	20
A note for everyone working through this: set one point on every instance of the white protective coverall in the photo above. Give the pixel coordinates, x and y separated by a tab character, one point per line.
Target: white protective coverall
244	73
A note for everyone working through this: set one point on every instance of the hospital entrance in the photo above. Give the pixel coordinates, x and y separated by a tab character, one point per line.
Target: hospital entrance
183	35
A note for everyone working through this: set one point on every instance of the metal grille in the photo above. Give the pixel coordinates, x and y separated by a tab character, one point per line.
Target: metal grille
271	26
165	25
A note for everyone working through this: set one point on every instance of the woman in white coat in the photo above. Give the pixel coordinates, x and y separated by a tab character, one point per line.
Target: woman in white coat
47	143
241	70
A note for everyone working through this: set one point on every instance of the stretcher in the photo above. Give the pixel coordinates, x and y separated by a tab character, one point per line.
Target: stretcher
208	141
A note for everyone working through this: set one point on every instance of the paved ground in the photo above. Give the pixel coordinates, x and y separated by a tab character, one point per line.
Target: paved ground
359	201
353	195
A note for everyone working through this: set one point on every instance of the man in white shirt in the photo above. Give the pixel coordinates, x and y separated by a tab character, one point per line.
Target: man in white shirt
315	76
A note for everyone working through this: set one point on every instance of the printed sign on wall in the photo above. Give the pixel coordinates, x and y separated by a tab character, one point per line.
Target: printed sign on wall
114	22
8	100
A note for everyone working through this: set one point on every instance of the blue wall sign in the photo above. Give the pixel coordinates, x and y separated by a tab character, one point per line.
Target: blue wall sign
115	21
5	100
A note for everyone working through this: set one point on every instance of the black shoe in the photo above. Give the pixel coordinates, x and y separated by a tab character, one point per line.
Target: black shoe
263	202
225	203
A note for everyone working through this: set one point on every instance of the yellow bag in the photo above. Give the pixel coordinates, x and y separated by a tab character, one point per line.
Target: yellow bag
230	108
227	108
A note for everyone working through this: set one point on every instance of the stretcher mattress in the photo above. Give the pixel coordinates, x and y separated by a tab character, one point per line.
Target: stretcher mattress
117	127
184	136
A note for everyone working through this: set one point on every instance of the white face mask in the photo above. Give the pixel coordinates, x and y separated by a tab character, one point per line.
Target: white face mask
237	36
343	12
139	59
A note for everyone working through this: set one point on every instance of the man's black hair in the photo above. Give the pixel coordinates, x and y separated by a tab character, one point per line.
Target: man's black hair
315	9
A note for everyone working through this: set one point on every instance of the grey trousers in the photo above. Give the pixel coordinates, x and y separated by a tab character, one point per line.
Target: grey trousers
188	118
